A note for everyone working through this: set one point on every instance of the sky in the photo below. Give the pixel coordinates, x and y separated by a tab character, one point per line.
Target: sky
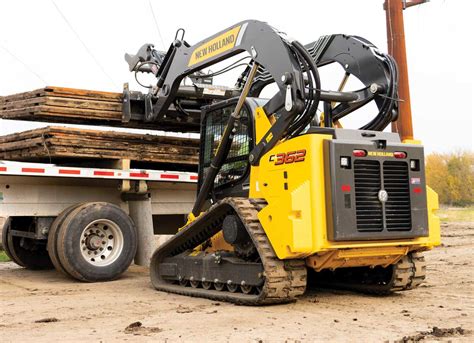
80	44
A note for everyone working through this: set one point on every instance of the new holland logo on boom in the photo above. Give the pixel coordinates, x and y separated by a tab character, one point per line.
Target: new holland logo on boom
214	46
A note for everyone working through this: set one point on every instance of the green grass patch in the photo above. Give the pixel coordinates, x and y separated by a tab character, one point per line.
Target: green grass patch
456	214
3	256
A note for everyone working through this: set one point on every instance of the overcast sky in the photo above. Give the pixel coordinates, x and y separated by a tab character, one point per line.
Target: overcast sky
38	47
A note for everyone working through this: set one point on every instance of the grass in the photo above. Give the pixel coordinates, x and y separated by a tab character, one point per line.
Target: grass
3	256
456	214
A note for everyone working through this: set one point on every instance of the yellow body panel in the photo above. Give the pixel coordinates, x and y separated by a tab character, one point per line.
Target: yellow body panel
295	218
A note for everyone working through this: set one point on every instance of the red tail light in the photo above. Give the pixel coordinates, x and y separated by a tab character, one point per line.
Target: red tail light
359	153
399	154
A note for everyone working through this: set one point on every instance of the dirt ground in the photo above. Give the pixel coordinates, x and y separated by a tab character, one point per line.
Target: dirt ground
45	306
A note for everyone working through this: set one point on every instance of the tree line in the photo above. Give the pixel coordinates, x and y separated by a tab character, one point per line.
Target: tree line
452	177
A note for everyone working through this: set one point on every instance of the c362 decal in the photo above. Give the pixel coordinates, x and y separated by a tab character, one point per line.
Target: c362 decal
288	157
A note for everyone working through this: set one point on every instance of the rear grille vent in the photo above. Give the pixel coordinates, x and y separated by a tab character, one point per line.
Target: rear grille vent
369	179
367	183
397	207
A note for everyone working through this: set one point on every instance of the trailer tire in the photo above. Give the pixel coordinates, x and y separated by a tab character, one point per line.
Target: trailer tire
26	252
53	238
96	242
6	243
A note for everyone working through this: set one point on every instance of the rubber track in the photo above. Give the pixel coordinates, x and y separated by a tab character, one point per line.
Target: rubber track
284	280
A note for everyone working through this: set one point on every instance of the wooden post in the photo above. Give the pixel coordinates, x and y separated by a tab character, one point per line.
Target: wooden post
396	48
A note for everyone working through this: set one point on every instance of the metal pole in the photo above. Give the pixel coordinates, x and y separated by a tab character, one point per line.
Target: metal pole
396	48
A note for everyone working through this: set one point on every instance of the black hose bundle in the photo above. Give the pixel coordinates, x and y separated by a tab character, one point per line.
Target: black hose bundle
314	83
390	103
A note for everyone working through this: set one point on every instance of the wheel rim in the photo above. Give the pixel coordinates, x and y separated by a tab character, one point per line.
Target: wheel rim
101	242
194	284
219	286
246	289
206	284
232	287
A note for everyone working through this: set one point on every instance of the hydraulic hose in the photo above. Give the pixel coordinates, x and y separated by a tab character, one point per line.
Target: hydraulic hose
314	82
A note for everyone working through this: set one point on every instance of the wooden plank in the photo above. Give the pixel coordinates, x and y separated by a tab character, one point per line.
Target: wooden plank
35	154
70	103
62	142
20	104
127	148
82	93
24	95
122	135
22	144
86	107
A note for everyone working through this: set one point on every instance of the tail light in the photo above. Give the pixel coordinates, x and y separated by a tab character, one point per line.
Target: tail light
359	153
400	154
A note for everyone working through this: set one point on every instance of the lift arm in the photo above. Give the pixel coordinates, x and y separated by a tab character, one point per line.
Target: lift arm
281	57
274	58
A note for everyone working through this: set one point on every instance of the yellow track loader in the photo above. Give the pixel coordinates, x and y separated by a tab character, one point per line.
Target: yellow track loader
284	189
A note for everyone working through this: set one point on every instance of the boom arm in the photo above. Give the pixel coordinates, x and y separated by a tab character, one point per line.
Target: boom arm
274	58
286	61
262	42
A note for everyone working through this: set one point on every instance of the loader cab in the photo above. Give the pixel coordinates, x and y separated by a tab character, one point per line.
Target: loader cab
233	178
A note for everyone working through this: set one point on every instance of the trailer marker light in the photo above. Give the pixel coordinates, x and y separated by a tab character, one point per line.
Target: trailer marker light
400	154
32	170
103	173
359	153
169	176
417	190
69	171
143	174
346	188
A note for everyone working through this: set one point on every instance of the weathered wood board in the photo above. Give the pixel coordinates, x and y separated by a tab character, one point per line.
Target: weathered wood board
54	143
78	106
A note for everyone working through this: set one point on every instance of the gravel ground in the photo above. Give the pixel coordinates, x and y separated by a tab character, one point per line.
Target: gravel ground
47	307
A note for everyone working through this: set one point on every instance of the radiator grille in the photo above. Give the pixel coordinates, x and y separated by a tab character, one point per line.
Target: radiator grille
367	181
397	207
371	214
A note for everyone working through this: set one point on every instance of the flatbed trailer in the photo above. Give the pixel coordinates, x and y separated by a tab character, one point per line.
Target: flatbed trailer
89	223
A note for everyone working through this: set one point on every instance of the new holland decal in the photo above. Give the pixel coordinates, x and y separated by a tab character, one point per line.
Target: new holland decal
380	153
215	46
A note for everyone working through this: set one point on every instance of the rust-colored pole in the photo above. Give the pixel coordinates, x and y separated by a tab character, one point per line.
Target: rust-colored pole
396	48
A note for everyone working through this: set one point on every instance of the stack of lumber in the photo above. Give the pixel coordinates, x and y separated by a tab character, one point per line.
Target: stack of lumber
77	106
56	143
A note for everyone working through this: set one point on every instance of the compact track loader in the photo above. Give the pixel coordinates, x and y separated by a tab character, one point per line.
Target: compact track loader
283	189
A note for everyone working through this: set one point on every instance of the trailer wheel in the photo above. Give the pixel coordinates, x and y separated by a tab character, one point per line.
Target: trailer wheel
6	241
26	252
53	238
96	242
